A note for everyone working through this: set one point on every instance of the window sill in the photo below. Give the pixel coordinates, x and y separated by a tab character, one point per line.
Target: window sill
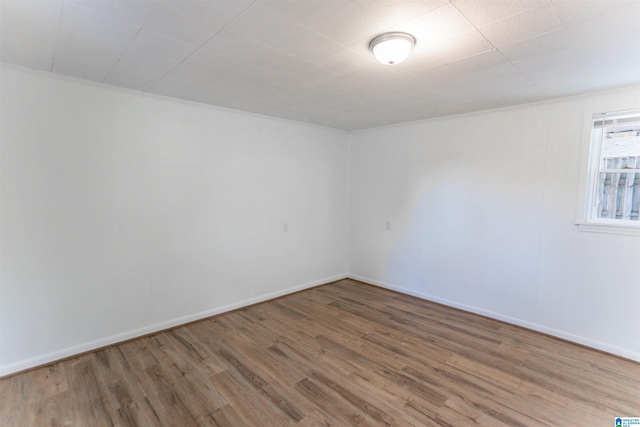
592	227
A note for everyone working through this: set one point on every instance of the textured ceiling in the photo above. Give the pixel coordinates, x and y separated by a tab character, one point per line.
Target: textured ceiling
308	60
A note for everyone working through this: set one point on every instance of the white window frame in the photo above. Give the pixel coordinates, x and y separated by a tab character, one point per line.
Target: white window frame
586	218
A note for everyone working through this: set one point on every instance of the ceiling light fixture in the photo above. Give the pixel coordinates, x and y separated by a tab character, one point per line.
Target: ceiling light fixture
392	48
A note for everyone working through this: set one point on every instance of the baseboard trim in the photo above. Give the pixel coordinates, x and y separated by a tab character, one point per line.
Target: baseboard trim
567	336
56	356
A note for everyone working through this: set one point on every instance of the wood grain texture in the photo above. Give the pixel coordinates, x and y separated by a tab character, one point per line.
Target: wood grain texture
336	355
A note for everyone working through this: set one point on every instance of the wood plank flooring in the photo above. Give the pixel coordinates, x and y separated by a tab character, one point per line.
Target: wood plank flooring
337	355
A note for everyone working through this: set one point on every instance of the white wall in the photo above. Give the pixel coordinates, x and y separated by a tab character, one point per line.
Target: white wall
121	214
483	210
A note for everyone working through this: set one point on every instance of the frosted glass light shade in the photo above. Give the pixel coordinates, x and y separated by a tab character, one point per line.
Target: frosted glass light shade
392	48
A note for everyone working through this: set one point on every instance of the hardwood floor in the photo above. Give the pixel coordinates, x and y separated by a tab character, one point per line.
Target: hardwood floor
340	354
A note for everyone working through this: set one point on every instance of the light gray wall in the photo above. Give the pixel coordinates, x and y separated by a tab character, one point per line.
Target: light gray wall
123	214
483	209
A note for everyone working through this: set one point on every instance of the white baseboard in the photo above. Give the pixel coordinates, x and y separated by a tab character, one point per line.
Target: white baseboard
48	358
608	348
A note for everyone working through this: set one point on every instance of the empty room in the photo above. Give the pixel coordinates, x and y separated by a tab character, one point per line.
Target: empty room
319	213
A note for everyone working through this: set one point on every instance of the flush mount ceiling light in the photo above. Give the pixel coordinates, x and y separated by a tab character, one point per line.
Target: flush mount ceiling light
392	48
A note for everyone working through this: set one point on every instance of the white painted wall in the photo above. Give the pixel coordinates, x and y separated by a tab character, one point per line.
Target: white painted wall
482	210
122	214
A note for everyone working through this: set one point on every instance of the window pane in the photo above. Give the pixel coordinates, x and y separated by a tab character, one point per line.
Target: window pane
616	147
618	195
614	186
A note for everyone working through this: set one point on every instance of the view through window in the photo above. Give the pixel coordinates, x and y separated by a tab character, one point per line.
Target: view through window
615	168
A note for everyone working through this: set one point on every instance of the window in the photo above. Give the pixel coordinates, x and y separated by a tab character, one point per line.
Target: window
613	194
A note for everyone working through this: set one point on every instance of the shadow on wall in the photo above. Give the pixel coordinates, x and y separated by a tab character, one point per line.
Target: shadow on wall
462	243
